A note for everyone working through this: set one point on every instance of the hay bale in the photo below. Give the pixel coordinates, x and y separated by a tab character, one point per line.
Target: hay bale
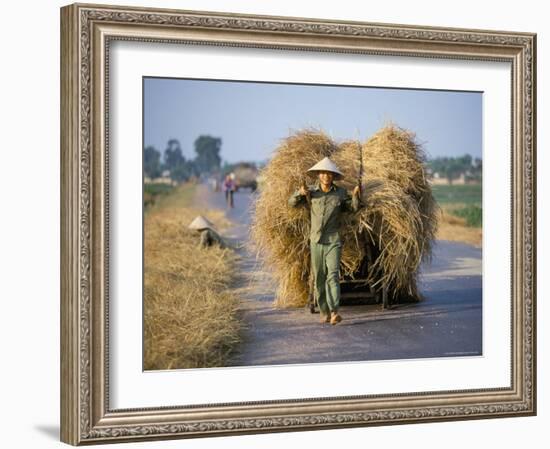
280	233
400	217
399	221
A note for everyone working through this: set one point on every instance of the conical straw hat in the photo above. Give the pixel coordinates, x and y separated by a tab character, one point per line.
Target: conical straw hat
327	165
200	223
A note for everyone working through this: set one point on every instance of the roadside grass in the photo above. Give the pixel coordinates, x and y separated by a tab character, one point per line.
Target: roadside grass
152	193
456	229
190	313
462	213
471	213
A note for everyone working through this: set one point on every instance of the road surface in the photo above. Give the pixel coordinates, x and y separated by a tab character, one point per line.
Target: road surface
448	323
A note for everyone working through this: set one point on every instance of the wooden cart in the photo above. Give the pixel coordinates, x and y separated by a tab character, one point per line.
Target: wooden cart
356	288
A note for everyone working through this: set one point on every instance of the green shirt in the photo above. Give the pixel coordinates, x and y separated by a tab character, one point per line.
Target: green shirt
326	210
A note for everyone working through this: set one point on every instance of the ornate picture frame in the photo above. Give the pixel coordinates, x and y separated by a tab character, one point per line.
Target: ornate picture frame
87	31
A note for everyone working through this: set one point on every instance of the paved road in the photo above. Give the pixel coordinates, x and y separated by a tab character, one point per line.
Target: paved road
448	323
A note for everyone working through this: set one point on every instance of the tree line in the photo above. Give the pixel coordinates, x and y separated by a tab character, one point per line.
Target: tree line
452	168
207	160
173	163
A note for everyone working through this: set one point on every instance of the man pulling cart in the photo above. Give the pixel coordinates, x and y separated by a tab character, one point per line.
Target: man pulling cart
327	202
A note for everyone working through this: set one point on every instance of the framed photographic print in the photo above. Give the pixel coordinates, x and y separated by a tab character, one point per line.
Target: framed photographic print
283	224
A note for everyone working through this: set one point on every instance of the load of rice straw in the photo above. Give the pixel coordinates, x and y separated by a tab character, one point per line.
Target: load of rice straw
397	224
280	233
400	217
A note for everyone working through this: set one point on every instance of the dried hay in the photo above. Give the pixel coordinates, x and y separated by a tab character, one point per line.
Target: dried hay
397	225
281	233
189	311
400	217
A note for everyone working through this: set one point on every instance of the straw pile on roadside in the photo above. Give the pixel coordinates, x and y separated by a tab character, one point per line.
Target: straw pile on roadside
190	312
398	223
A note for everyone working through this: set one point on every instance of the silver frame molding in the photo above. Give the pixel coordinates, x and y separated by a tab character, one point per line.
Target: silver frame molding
86	32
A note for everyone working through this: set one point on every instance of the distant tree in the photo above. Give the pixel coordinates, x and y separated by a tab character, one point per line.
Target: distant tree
175	162
208	153
477	168
184	171
151	162
452	167
226	167
439	165
465	161
173	155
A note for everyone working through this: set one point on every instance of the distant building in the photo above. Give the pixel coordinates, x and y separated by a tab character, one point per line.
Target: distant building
462	179
162	180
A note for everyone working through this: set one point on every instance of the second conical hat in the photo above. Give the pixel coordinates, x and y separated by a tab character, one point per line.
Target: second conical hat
201	223
327	165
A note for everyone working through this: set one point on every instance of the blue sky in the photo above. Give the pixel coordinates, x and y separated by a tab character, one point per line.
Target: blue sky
251	118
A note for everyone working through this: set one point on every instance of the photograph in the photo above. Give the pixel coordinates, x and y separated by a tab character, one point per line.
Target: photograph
281	223
294	223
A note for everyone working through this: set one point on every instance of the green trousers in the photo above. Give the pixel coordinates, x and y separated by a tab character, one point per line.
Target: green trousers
325	266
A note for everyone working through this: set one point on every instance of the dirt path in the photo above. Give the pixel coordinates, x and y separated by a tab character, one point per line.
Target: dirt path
447	323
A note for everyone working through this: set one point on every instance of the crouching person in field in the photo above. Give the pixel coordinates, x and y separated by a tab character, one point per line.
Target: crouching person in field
327	202
208	236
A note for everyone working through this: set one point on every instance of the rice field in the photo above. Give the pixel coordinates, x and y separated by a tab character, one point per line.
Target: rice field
462	212
466	194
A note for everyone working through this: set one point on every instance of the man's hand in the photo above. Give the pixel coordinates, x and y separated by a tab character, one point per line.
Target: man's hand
303	191
356	190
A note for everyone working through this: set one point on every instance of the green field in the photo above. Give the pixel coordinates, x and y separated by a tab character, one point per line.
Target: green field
462	201
469	194
153	192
